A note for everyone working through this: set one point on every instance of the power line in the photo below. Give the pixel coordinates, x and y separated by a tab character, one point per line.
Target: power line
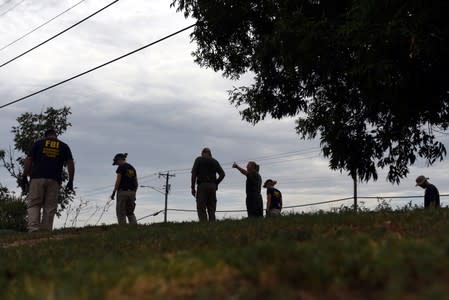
11	8
42	25
96	68
58	34
5	3
153	188
265	164
261	158
102	189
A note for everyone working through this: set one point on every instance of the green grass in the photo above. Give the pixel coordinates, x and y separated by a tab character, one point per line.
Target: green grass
394	255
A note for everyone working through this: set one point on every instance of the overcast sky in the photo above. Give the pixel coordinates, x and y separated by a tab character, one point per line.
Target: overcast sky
161	108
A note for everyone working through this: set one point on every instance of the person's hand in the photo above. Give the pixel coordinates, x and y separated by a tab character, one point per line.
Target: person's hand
24	185
216	185
193	192
113	195
69	186
234	165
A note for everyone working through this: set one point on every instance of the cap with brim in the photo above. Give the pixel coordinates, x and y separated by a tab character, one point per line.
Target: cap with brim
273	182
421	179
119	156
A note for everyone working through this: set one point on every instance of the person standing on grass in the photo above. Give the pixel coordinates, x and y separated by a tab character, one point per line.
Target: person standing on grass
274	199
126	185
431	195
254	202
44	165
204	175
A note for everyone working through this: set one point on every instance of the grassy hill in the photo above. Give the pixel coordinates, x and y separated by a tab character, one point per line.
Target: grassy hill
383	255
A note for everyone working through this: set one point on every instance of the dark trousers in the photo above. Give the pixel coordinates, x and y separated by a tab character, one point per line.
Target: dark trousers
126	203
206	201
254	205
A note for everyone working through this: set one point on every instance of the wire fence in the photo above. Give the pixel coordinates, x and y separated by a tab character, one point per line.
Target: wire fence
292	206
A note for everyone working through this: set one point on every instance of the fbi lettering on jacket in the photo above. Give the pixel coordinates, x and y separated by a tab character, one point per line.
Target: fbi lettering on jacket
51	148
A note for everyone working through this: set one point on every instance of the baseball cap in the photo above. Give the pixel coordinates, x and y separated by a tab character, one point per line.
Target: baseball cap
119	156
273	182
421	179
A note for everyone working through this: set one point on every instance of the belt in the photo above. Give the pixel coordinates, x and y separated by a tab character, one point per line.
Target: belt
127	190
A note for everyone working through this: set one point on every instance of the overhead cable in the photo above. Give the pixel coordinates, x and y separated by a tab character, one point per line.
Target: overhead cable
262	158
95	68
58	34
42	25
11	8
5	3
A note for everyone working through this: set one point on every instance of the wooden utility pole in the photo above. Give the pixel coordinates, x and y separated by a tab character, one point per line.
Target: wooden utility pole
167	190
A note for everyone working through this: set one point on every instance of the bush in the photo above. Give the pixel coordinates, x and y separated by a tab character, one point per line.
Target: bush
13	214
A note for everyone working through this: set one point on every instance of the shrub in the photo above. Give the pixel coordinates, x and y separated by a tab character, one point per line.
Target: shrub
13	213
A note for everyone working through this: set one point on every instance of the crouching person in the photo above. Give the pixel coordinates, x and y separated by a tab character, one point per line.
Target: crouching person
126	187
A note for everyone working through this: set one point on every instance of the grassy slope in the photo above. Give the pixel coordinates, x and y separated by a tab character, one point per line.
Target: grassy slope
365	256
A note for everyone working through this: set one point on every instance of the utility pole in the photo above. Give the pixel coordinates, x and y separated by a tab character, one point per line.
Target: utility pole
167	190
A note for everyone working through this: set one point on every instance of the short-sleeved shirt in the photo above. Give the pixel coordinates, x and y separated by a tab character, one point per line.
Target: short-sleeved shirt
205	169
48	158
431	195
253	184
276	198
128	179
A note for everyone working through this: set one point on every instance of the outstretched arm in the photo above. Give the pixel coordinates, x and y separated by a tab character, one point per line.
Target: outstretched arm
243	171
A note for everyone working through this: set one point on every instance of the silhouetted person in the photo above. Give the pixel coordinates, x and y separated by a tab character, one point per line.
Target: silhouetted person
204	175
126	185
274	198
44	164
431	195
254	202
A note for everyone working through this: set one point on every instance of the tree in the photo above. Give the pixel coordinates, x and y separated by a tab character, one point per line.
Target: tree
30	128
4	192
369	78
